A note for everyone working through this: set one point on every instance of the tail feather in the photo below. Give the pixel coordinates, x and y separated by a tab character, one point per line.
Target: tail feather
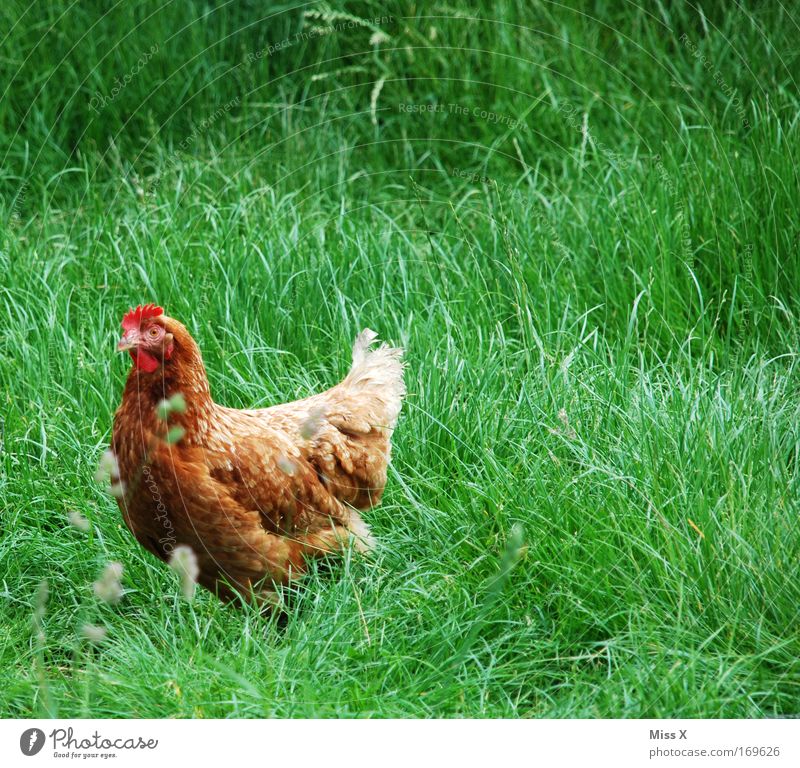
361	345
378	374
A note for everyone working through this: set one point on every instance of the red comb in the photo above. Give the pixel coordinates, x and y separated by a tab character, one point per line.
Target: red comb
135	317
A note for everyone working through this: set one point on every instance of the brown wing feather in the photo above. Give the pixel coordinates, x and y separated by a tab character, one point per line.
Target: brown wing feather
244	517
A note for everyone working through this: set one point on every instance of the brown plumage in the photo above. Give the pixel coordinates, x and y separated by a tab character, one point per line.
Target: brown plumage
252	492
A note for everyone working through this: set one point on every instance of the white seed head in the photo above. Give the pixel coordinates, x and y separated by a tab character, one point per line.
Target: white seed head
42	593
108	587
286	465
311	425
177	403
175	434
184	562
93	633
107	467
77	520
567	429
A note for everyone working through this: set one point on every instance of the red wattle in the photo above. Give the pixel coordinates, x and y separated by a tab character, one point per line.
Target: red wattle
143	361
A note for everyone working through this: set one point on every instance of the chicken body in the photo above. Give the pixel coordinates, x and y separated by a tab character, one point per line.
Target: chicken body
252	492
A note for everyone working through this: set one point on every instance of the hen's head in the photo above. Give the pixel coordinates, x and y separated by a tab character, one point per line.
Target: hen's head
148	337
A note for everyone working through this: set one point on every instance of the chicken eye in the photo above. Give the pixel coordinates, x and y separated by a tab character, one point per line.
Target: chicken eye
153	332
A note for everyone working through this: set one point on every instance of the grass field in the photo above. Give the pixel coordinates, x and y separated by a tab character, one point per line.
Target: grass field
582	225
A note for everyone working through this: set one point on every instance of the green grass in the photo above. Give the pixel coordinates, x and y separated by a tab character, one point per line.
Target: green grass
602	327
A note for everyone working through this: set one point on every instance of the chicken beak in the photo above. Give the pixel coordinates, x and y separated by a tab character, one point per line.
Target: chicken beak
129	341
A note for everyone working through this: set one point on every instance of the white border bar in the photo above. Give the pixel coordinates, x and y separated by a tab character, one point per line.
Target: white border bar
404	743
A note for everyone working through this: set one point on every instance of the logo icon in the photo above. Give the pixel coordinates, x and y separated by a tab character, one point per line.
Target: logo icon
31	741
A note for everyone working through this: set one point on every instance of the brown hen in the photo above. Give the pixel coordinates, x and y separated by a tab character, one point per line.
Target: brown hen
252	492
